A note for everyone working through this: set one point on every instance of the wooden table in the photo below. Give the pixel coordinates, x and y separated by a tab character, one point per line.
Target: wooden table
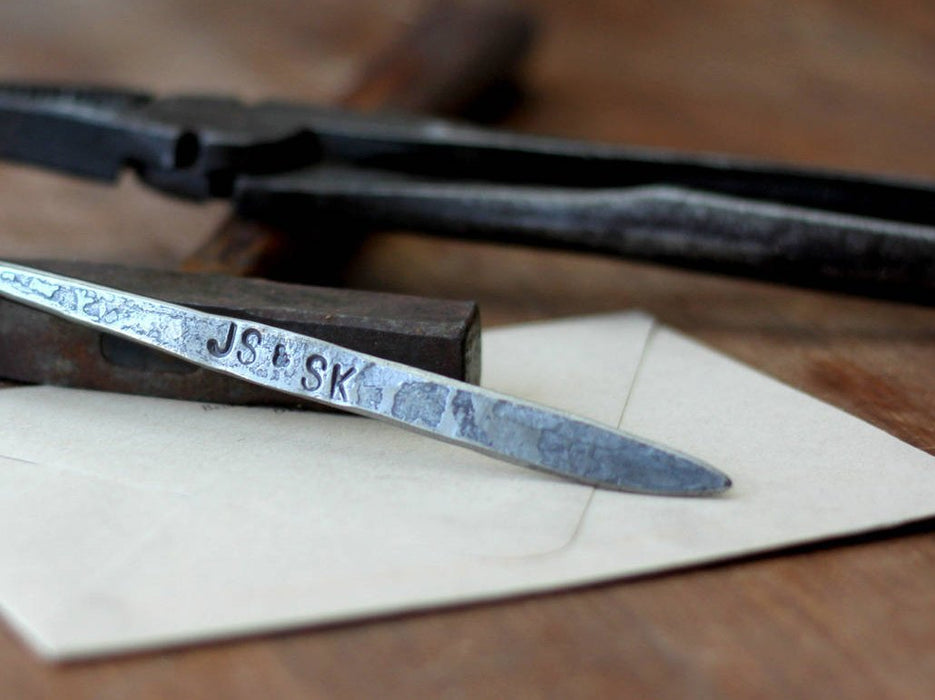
834	83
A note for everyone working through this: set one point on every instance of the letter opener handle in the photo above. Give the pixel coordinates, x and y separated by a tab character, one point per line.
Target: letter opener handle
501	426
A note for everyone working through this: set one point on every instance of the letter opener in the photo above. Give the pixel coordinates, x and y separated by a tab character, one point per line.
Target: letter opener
508	428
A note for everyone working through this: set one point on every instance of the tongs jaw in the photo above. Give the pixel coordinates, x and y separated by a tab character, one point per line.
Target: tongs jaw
77	130
188	146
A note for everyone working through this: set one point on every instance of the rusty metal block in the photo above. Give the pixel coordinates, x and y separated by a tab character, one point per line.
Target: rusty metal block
436	335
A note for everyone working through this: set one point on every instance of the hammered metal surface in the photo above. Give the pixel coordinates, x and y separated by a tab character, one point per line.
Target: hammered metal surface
457	412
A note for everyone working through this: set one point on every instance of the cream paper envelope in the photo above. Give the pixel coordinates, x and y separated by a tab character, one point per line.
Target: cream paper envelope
130	522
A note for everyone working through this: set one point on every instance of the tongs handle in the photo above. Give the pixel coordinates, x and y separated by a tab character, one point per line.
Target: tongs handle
658	223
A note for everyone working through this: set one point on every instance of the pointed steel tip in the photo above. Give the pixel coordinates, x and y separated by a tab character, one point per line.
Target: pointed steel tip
661	471
704	480
708	483
719	483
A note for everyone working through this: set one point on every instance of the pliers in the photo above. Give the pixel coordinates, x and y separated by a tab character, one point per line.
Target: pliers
297	165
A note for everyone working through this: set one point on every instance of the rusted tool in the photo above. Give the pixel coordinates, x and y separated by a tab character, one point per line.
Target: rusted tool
445	62
299	166
435	335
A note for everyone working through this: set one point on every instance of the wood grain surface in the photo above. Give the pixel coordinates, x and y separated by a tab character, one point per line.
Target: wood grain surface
826	82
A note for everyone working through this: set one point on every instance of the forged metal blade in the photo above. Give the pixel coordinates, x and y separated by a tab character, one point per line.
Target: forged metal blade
501	426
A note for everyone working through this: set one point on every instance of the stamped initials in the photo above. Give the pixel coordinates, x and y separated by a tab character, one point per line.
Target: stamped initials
317	367
250	339
321	375
314	365
216	349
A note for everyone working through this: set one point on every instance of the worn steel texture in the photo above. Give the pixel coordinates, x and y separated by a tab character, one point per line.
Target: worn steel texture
302	366
434	335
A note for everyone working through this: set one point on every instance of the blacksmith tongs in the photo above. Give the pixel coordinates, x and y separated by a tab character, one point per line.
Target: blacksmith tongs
294	165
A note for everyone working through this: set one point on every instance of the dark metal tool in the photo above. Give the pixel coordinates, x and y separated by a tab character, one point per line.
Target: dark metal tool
297	166
450	59
309	368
